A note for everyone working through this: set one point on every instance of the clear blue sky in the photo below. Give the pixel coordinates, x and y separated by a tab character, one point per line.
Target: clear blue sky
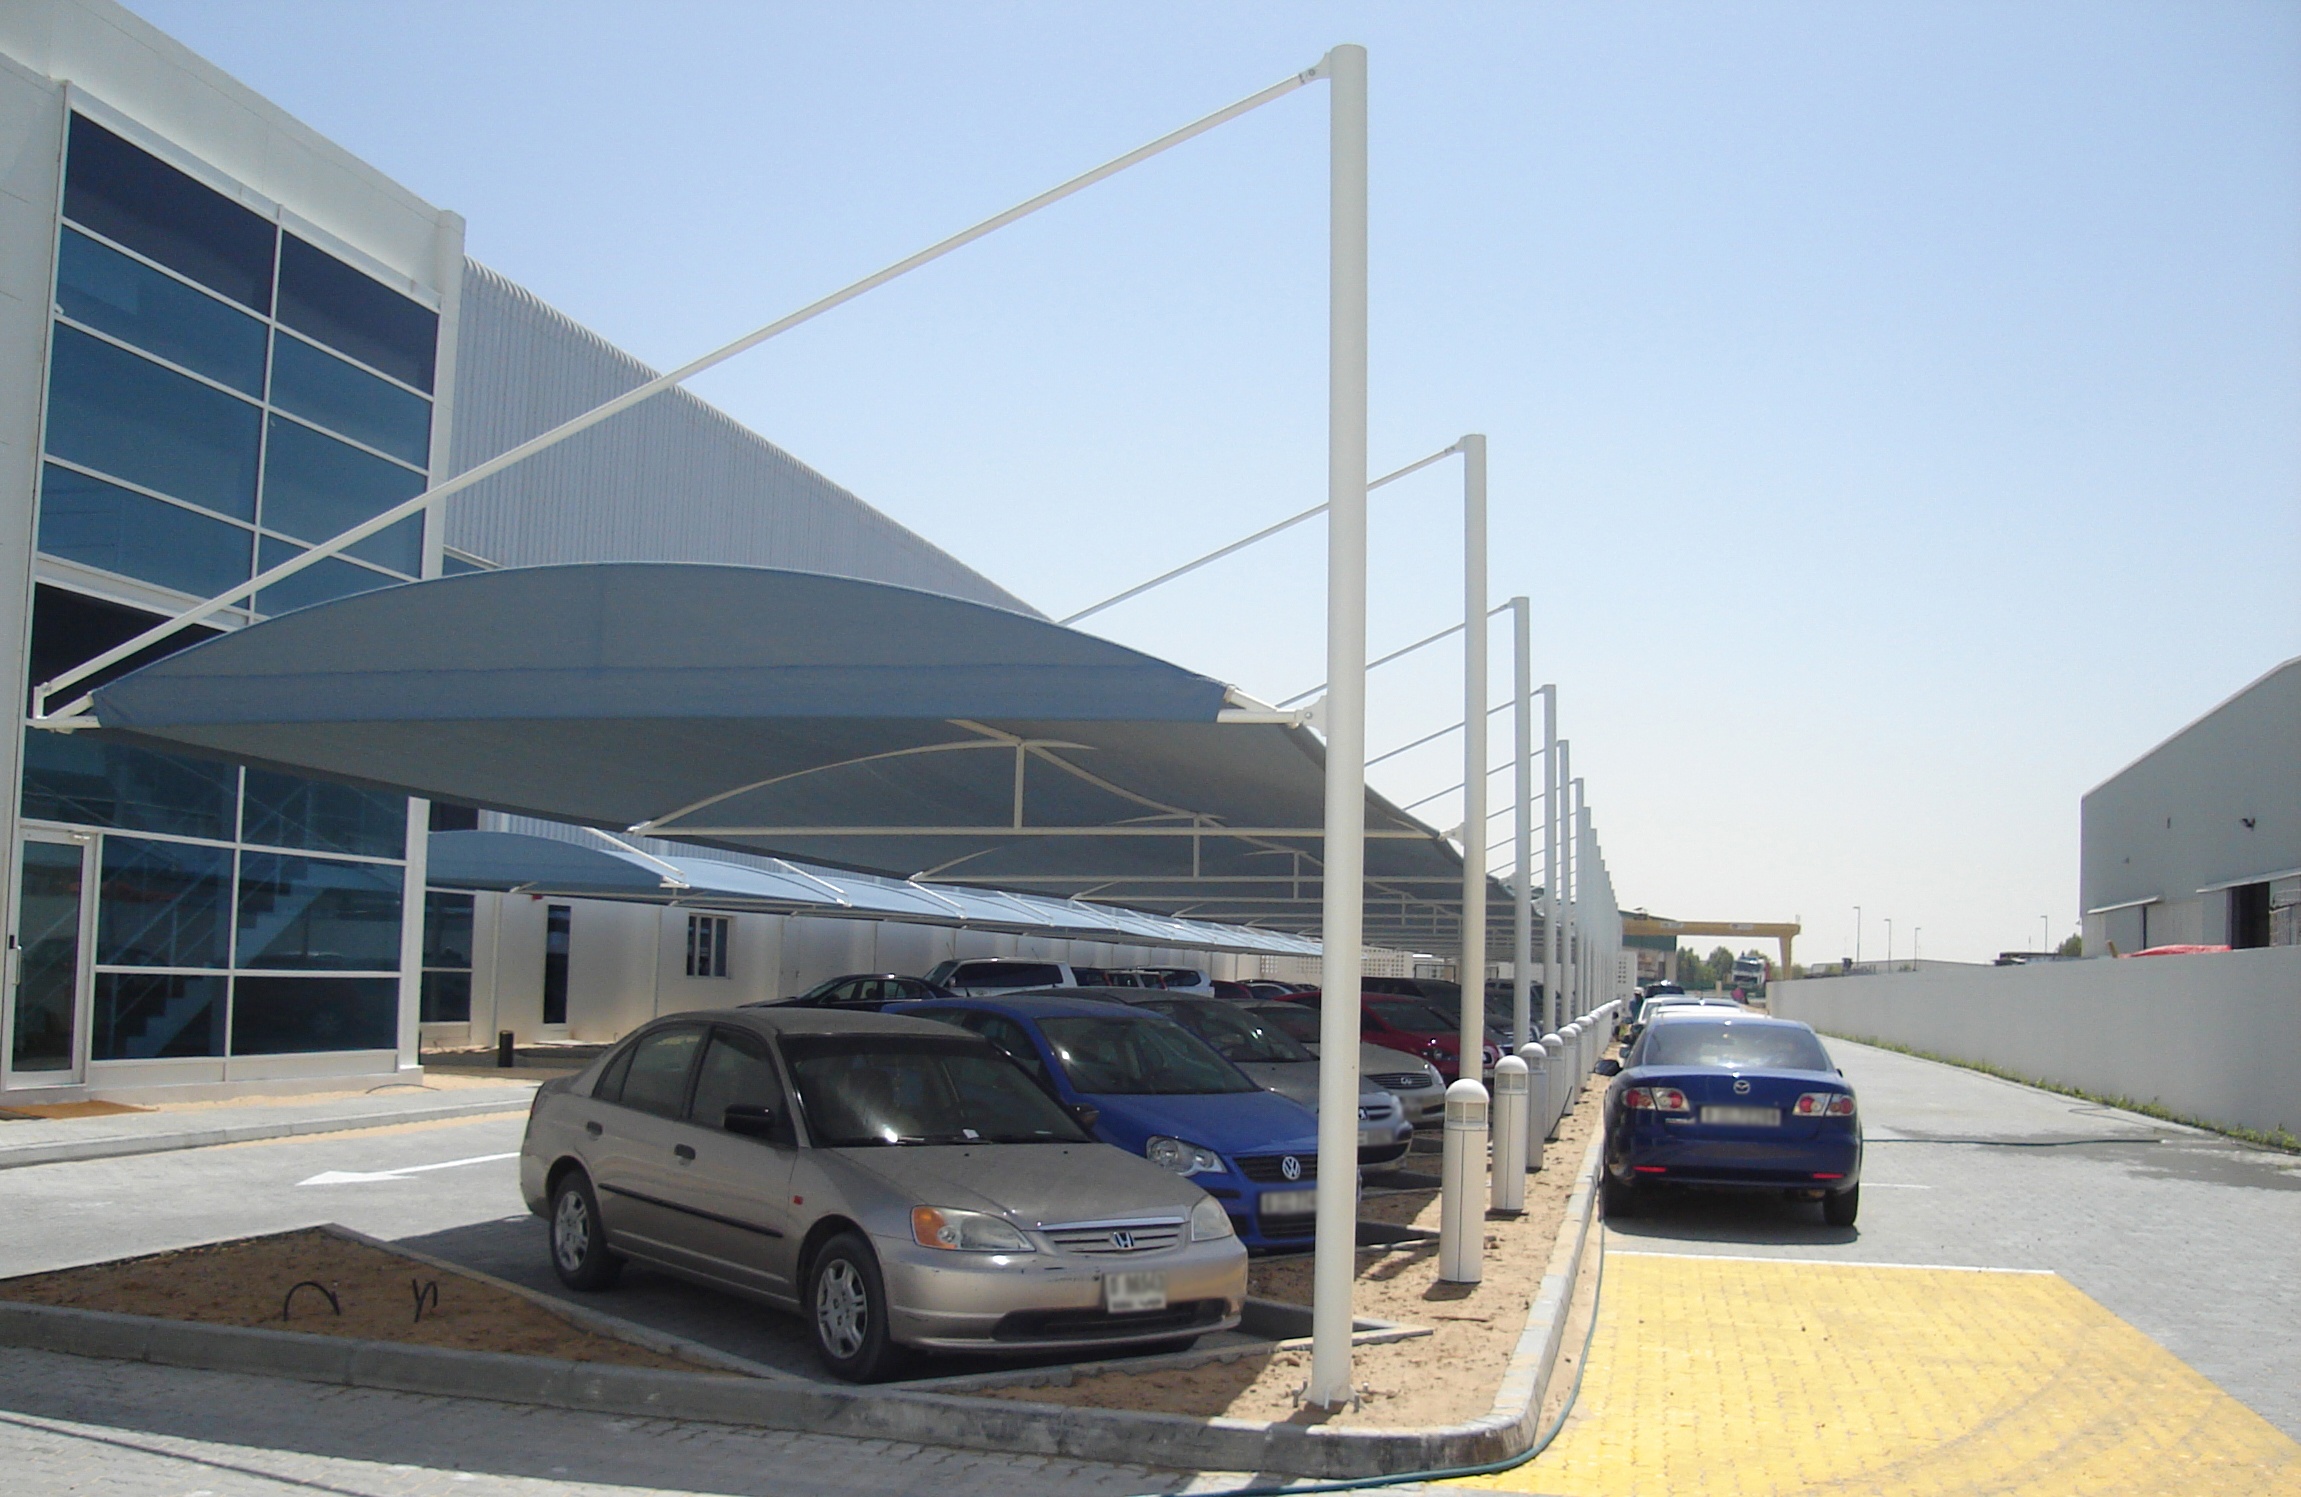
1895	410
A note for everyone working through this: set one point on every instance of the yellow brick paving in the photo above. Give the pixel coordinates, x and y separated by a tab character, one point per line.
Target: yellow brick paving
1713	1377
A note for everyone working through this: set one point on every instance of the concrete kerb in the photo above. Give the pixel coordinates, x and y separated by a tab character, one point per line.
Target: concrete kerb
918	1417
62	1151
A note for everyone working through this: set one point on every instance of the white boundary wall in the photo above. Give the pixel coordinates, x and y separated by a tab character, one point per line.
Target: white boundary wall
2215	1036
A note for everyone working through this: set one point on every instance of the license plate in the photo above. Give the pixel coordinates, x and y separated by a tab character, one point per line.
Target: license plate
1744	1117
1289	1202
1128	1293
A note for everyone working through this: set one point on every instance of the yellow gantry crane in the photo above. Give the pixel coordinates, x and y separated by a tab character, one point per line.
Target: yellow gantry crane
1652	928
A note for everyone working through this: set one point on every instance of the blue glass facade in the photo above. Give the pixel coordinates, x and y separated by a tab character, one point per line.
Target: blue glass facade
221	394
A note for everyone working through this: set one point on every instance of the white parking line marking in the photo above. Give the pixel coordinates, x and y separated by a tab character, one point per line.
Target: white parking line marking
357	1177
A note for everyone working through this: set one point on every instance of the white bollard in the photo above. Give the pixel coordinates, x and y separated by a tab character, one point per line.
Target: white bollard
1561	1085
1576	1056
1510	1097
1461	1220
1537	1099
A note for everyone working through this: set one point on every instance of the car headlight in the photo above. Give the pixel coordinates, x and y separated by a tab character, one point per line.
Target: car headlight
965	1231
1209	1222
1183	1159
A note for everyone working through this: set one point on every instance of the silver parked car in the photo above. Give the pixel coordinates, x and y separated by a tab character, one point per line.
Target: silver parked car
1415	1082
898	1182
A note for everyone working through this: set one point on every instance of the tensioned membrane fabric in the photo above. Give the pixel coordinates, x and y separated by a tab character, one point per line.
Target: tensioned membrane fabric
518	862
841	722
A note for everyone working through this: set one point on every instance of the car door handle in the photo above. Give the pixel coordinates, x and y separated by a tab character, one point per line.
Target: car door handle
685	1151
593	1129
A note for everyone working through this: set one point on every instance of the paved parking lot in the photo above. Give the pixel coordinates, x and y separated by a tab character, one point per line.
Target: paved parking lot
2186	1243
2042	1296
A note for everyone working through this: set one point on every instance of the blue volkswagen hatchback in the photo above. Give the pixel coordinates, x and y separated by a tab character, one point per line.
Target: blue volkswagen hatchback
1709	1098
1160	1091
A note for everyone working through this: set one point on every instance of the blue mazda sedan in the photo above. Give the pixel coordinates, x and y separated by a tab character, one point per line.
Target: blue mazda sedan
1707	1098
1151	1087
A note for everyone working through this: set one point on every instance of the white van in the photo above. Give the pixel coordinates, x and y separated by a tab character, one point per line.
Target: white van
982	976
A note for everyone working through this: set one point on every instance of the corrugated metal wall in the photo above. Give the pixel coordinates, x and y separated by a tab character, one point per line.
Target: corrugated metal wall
672	480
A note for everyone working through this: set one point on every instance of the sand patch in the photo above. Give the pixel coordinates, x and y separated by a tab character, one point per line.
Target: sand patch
245	1283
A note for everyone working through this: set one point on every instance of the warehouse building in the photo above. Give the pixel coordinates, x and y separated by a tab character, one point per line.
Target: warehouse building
2198	842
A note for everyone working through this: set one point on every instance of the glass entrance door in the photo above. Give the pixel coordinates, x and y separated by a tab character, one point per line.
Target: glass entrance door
47	964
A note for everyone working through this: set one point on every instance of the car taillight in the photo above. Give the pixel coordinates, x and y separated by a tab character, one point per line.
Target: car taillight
1824	1105
1655	1099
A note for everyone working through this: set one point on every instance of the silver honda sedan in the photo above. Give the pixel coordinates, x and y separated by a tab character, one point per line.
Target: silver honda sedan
899	1183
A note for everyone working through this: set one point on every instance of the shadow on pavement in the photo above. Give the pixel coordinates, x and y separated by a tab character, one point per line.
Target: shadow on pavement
515	1248
1755	1218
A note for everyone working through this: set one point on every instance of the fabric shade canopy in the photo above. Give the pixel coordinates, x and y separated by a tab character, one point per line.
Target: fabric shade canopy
846	723
664	873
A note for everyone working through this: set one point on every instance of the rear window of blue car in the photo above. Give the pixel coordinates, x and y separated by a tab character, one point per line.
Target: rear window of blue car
1737	1047
1136	1055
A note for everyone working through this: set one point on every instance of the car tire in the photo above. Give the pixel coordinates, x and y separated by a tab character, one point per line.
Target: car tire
1840	1208
846	1308
1617	1198
579	1251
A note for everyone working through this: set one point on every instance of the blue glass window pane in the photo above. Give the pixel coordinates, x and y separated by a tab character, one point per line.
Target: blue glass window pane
135	303
356	314
285	811
350	400
321	582
447	920
316	487
127	416
451	565
288	1015
101	525
316	915
133	198
446	998
72	777
156	1015
164	904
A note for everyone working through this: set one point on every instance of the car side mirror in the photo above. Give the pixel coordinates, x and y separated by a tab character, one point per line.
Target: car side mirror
1086	1115
751	1121
1608	1067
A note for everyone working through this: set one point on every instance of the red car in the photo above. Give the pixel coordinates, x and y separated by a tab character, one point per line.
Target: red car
1404	1024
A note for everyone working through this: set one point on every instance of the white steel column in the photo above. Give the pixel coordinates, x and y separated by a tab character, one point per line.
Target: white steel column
1552	955
1461	1221
1585	970
1343	915
1566	873
1522	895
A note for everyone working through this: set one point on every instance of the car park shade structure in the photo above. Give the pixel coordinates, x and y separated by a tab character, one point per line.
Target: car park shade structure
849	724
517	862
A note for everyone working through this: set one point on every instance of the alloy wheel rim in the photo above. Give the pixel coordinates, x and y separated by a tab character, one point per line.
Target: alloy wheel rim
842	1312
571	1231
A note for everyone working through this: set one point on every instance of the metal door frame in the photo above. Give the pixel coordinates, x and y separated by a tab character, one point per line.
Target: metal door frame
84	982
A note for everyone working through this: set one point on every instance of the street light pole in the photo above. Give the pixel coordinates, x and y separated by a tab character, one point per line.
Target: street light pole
1343	897
1461	1221
1857	935
1889	943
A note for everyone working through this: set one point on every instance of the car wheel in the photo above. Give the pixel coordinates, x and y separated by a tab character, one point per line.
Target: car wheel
847	1307
1839	1209
579	1251
1617	1198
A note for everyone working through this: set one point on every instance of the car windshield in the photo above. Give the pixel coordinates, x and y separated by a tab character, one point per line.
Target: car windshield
1404	1013
1238	1035
864	1090
1736	1047
1299	1021
1136	1055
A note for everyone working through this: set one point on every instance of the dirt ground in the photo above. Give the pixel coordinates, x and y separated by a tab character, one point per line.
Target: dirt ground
244	1282
1446	1377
